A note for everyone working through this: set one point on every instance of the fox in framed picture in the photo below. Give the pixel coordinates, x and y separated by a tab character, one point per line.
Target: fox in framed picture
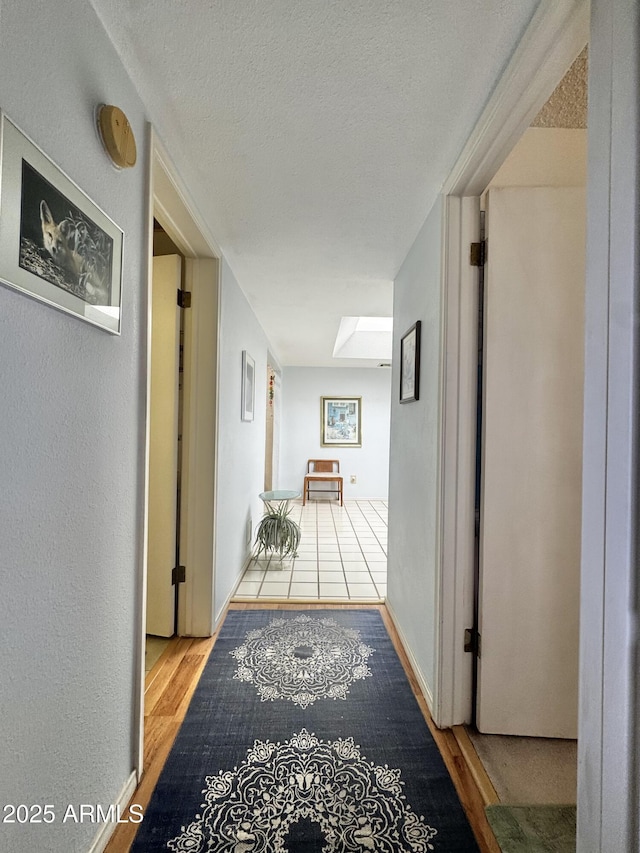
60	244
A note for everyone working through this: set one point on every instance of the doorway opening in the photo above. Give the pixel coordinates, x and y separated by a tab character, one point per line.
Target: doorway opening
192	317
165	462
528	484
555	38
272	429
165	427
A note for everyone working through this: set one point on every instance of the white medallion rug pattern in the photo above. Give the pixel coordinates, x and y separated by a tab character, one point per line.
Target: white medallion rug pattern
302	659
355	804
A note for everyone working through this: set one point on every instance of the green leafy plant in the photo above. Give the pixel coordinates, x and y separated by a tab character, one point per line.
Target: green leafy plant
277	532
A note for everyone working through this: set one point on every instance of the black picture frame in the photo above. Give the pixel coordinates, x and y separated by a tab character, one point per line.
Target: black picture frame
410	364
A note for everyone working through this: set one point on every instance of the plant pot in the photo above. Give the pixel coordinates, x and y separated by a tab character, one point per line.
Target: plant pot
277	533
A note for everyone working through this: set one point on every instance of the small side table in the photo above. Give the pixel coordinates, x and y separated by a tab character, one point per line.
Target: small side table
278	496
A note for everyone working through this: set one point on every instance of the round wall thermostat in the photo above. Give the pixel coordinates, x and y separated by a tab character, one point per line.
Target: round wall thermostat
117	136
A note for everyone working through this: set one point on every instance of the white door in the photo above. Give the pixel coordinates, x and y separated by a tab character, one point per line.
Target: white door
163	448
532	462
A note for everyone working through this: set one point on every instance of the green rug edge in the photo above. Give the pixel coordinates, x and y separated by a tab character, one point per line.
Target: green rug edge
532	828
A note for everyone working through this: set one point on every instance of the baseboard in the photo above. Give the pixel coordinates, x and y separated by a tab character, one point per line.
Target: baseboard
476	767
422	682
107	829
222	610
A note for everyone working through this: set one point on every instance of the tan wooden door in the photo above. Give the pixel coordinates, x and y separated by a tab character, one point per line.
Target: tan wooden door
163	447
532	462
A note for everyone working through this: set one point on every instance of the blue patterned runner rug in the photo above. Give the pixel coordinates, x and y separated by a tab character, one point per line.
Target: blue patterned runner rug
303	736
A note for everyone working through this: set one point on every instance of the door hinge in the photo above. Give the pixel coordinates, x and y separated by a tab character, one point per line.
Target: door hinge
178	575
184	298
478	254
472	641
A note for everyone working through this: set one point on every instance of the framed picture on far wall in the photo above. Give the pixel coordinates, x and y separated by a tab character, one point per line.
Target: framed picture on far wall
248	386
56	245
410	364
340	421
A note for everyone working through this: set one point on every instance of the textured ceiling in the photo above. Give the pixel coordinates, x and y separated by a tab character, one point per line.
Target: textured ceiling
314	135
567	106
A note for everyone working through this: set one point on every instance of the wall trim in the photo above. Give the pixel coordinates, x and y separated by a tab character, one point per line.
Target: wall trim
608	781
219	616
107	829
453	666
138	745
174	211
177	215
422	682
200	446
167	201
558	31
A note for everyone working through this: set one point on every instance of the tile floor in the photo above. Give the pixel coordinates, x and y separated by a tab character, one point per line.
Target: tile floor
342	556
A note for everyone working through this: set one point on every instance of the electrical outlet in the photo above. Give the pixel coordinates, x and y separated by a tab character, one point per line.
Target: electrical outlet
353	479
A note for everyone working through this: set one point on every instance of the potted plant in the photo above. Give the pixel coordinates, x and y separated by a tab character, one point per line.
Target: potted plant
277	532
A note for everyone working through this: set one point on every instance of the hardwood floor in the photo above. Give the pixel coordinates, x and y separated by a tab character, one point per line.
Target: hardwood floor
169	688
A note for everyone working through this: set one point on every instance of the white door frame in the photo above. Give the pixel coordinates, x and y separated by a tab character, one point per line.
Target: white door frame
608	763
609	731
169	204
557	33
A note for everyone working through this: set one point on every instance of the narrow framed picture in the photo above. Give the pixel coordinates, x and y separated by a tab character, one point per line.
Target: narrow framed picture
410	364
248	386
341	421
56	245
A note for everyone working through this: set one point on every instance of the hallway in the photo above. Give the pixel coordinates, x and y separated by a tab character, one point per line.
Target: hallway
342	556
170	686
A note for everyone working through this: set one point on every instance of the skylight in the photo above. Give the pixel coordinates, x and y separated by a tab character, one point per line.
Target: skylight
364	337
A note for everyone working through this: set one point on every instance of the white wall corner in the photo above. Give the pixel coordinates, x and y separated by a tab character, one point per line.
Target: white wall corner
425	689
107	829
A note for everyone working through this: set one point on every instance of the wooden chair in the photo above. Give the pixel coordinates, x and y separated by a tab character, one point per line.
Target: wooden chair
322	471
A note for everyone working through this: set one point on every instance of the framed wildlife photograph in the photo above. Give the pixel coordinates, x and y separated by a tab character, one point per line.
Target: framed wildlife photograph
410	364
248	386
340	421
56	245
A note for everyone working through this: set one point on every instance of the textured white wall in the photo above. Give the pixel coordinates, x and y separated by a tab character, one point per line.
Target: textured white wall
241	444
71	456
300	441
415	450
608	770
